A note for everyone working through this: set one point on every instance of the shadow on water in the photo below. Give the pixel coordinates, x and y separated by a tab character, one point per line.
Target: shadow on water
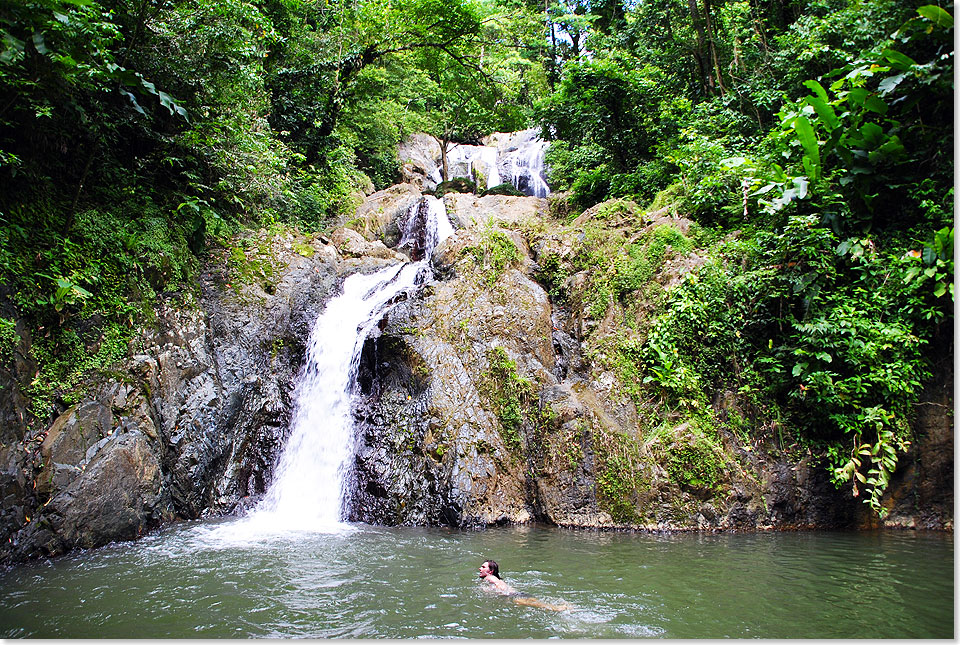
365	581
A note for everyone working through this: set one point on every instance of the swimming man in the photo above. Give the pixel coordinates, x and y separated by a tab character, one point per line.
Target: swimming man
490	572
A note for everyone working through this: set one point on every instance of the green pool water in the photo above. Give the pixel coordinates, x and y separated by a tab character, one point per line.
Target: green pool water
205	580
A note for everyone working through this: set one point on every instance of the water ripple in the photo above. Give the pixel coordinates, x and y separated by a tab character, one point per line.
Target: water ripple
377	582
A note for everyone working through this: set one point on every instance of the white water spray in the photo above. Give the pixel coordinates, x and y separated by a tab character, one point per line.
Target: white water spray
520	155
426	226
307	491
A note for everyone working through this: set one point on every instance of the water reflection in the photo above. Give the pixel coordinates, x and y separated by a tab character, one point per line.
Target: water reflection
410	582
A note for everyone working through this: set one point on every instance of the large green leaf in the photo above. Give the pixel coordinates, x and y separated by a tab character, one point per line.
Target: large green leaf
858	95
872	134
890	83
875	104
811	148
901	61
936	15
817	89
828	117
943	243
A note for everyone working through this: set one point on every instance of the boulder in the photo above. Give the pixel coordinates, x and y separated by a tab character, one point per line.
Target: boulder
376	218
466	210
419	156
100	475
117	497
69	438
502	189
352	244
457	185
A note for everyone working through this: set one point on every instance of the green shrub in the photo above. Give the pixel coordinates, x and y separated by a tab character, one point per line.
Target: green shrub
502	189
510	395
494	254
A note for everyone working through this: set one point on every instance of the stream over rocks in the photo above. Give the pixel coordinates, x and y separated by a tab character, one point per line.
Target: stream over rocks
308	490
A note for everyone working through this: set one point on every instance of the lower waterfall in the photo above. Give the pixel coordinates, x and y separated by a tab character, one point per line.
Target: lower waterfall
308	488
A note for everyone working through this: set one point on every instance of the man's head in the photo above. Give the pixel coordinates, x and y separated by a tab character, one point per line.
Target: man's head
489	568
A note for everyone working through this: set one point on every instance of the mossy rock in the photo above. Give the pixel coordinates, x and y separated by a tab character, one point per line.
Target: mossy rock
503	189
456	185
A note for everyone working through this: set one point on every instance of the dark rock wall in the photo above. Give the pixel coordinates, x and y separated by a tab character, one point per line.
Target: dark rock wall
920	494
18	451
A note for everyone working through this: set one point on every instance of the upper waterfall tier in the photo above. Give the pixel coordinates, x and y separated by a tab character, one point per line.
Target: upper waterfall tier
505	157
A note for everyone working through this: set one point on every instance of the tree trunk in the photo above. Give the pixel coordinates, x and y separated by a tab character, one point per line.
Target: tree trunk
701	54
712	42
552	70
444	142
443	159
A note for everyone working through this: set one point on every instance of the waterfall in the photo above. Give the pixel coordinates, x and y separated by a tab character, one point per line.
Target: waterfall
523	158
308	489
438	223
489	156
425	225
464	161
518	158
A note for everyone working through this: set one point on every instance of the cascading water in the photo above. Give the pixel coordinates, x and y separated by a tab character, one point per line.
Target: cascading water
489	156
518	158
425	225
307	489
307	492
524	162
464	160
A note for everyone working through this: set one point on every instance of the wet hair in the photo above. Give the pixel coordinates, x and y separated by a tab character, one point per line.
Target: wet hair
494	567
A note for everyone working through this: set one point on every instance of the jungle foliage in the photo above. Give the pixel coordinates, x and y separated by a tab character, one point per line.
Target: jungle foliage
815	140
138	135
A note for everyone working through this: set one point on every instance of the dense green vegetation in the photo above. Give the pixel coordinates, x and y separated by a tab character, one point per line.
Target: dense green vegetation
136	136
822	133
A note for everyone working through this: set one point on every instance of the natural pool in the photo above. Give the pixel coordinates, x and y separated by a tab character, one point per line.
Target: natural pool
206	580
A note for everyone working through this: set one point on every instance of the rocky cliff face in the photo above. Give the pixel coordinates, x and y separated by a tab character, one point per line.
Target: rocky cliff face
477	406
486	397
192	423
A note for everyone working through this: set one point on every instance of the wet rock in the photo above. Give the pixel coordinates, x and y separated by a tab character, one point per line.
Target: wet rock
100	479
430	420
456	185
18	449
225	383
350	243
72	435
921	492
195	426
117	497
376	218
